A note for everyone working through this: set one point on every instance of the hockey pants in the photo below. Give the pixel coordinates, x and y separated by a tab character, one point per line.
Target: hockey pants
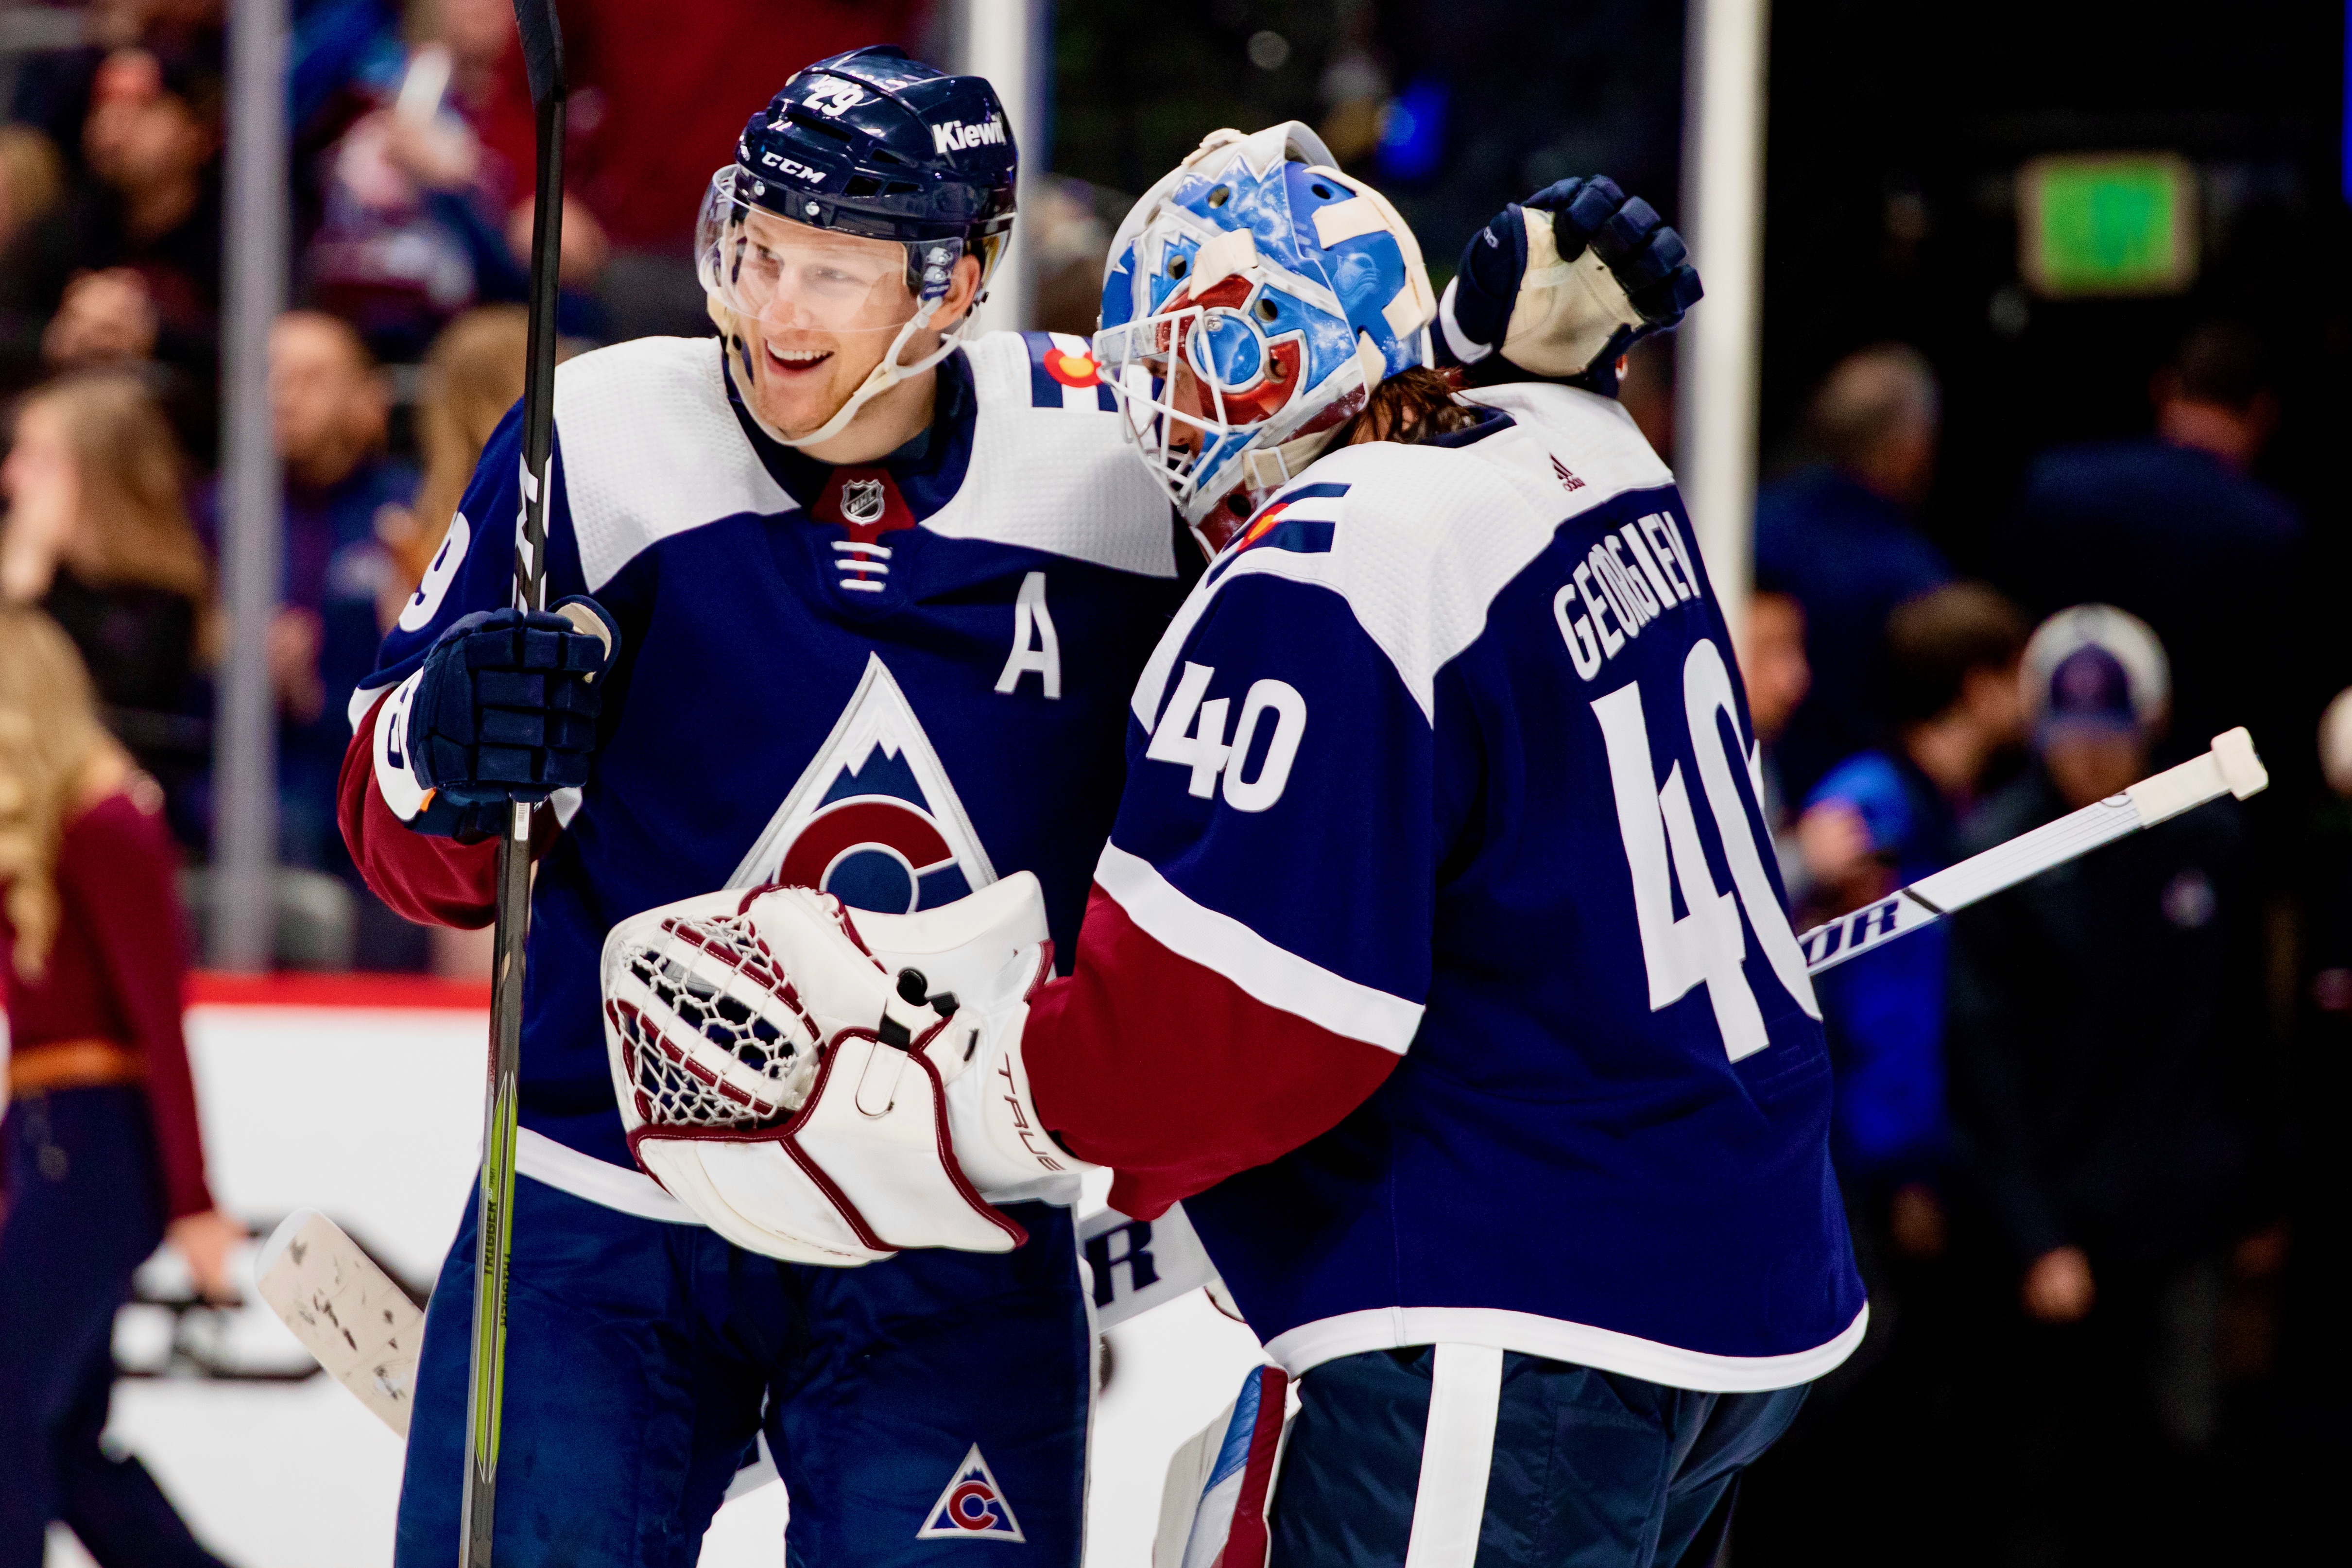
1460	1456
913	1406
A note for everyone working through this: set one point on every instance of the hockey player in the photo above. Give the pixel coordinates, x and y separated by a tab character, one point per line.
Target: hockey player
1437	959
878	597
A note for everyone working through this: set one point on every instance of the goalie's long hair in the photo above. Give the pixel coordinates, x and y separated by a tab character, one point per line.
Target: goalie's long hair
1409	408
50	738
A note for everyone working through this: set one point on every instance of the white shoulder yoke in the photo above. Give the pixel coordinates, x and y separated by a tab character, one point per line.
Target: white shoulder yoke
1425	537
650	448
1051	477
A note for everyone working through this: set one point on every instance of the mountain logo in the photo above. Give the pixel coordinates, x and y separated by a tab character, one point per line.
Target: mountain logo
972	1507
874	819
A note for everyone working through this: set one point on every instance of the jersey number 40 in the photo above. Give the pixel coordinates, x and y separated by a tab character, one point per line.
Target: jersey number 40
1666	853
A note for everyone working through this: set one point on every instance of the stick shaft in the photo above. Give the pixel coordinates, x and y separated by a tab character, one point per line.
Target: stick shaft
484	1393
1931	898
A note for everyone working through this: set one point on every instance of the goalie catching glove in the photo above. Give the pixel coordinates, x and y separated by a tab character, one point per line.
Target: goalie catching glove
831	1089
1562	284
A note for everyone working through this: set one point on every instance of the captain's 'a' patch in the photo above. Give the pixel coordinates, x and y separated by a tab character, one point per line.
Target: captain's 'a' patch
972	1507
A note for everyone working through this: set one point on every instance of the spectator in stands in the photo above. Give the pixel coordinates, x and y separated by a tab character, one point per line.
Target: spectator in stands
653	85
332	408
97	535
2174	528
1865	1465
473	375
103	1157
415	211
105	318
1876	821
32	182
151	144
1773	666
1842	538
2111	1102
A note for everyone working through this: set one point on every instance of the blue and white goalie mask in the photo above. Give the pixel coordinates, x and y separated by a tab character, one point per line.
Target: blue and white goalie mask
1253	299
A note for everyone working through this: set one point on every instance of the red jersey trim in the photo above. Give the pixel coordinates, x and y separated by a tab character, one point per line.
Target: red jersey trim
433	881
1172	1075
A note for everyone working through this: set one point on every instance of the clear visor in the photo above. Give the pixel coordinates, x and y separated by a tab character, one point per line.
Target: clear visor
788	276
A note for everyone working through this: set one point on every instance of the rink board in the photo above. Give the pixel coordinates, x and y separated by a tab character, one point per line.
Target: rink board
352	1099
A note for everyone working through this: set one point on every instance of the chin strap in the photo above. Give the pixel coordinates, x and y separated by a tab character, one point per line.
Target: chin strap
883	376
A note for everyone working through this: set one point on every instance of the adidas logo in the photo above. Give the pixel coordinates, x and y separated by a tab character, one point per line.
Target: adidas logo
1566	481
972	1507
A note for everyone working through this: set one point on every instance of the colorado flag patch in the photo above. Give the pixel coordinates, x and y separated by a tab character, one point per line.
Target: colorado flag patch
971	1509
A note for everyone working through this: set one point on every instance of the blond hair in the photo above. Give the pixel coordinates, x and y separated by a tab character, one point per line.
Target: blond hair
31	177
473	374
49	735
134	526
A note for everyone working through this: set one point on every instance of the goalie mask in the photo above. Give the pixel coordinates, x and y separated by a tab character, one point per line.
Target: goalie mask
1253	299
852	198
794	1086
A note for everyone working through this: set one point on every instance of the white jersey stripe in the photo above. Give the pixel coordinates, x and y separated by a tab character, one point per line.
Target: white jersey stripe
1271	974
600	1182
1310	1346
1457	1451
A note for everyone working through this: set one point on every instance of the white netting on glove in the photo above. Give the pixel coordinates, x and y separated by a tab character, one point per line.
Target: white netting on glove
714	1037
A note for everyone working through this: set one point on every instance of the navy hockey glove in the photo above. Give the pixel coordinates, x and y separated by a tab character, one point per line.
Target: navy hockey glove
1559	286
506	706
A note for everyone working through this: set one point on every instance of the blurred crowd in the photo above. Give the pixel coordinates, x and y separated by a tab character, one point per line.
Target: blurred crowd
411	151
2102	1244
2077	1126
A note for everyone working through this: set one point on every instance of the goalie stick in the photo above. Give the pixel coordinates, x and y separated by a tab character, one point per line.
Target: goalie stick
1163	1259
542	54
2230	768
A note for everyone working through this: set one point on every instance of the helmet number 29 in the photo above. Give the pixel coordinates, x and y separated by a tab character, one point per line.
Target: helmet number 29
1191	733
1665	852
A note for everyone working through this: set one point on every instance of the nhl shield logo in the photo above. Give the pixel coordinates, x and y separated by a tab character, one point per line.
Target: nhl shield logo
874	819
972	1507
863	503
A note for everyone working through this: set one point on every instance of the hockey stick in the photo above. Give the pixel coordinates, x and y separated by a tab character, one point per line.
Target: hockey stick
542	53
2230	768
356	1321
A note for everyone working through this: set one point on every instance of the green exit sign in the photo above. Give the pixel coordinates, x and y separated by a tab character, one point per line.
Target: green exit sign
2111	223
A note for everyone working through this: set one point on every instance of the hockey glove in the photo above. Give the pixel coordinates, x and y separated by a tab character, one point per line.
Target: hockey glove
1558	287
506	703
824	1088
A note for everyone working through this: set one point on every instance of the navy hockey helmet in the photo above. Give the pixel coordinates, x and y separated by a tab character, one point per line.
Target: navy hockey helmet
873	144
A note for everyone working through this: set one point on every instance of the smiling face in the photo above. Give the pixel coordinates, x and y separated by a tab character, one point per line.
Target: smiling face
819	309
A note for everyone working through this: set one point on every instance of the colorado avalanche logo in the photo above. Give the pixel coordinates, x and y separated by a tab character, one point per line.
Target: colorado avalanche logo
863	503
874	819
972	1507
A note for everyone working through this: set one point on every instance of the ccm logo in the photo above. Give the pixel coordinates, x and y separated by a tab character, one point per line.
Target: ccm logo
955	135
797	171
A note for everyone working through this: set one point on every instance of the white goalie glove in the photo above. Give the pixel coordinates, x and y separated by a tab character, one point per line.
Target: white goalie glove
828	1086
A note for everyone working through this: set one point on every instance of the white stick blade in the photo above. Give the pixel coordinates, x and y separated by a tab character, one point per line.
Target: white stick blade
349	1314
2242	770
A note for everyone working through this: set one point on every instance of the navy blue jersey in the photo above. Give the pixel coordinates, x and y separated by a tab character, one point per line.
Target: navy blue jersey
898	684
1439	931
